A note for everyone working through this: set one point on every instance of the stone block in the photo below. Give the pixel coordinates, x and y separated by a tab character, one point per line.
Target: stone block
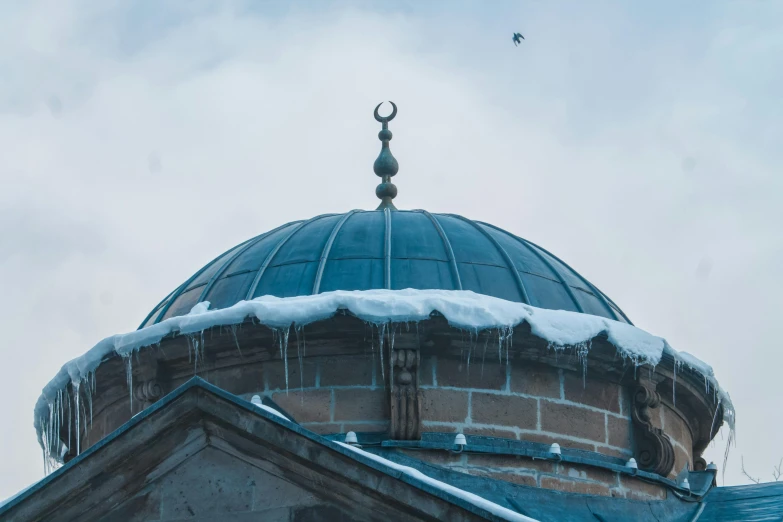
619	432
361	404
640	490
346	371
544	438
535	379
525	479
613	452
573	420
305	406
681	460
676	427
575	486
492	461
590	473
327	428
240	380
459	374
274	374
592	392
506	410
444	405
426	370
366	427
499	433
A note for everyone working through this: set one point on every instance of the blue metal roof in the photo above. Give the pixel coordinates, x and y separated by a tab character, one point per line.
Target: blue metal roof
363	250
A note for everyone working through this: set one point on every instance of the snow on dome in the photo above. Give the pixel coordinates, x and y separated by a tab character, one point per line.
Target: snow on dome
462	309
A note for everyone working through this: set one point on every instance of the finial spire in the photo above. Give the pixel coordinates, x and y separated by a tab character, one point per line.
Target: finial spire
385	165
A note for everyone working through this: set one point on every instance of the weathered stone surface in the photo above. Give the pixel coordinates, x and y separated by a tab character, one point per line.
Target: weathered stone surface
676	427
443	406
214	483
508	410
274	374
507	461
545	438
524	479
426	372
346	371
490	432
245	380
591	473
535	379
573	420
619	432
575	486
641	490
361	404
592	392
457	373
305	406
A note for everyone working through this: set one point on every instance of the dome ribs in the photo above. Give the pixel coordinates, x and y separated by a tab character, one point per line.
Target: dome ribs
274	252
547	263
357	250
503	253
599	294
449	251
158	307
184	286
239	252
327	249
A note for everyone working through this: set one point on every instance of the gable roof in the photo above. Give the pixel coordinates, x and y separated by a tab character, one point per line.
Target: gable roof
199	414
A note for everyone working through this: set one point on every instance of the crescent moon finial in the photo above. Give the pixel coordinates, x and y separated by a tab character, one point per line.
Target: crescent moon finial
390	117
386	165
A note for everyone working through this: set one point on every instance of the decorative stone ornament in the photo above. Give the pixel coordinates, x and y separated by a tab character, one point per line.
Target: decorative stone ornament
655	452
405	396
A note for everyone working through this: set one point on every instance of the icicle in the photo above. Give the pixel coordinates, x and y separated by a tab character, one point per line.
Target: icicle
301	365
129	378
677	365
484	354
382	333
282	339
75	386
233	329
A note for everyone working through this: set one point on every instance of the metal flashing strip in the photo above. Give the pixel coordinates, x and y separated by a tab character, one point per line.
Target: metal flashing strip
449	251
327	249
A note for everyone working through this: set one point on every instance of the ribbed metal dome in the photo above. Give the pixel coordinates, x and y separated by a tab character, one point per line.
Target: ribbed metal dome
364	250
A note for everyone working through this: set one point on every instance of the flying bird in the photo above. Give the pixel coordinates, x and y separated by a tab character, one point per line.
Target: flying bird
518	38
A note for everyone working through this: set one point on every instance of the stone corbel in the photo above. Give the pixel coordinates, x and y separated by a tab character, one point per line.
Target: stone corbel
148	392
654	450
405	395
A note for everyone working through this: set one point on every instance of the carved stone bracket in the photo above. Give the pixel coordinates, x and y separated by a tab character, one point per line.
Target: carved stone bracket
148	392
405	396
654	450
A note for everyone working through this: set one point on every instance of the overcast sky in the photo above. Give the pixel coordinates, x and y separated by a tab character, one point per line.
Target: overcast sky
638	141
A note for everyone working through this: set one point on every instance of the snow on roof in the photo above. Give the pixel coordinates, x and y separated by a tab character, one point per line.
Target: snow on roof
474	499
462	309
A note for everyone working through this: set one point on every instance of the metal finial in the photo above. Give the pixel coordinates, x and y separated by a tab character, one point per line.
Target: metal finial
385	165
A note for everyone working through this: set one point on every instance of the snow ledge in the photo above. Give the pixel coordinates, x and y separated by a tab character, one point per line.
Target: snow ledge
462	309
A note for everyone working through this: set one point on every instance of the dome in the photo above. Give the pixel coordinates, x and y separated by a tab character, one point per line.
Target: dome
392	249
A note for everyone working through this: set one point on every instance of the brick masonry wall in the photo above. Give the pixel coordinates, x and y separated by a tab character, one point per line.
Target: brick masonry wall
571	478
527	402
520	401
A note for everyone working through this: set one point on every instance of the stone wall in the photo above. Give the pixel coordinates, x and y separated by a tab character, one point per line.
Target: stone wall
338	386
572	478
